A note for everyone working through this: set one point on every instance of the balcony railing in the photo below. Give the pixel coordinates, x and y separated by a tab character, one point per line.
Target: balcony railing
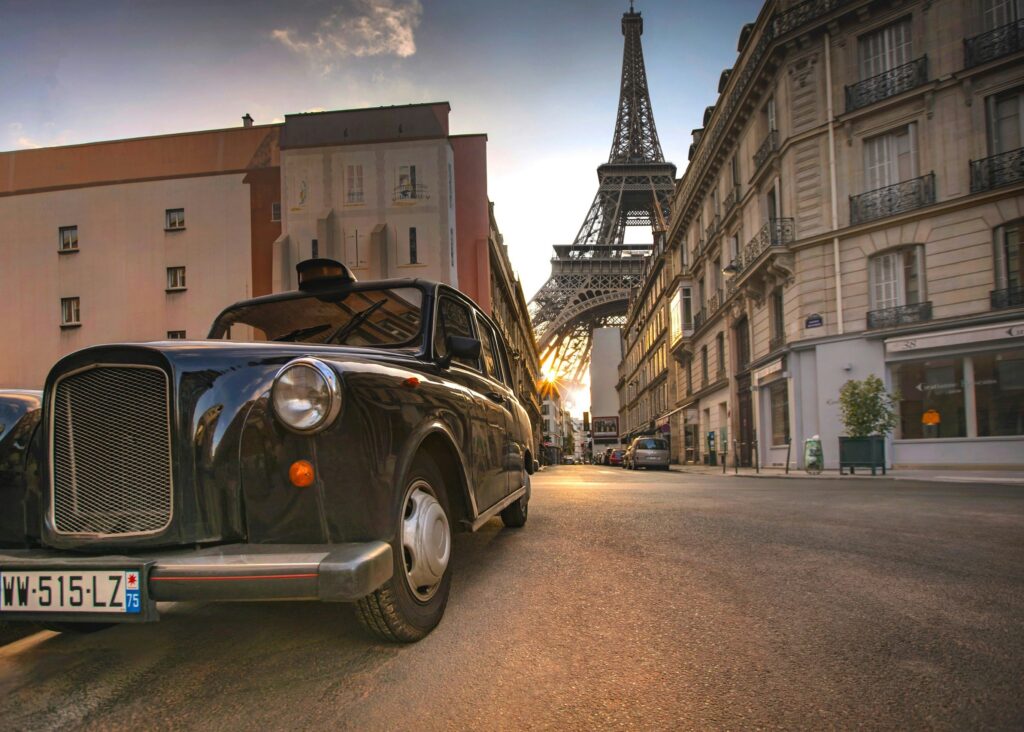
901	315
731	199
887	84
699	318
1008	297
770	145
409	192
712	229
776	233
714	302
998	170
986	47
894	199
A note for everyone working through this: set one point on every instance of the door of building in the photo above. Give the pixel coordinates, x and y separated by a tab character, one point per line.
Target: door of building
746	420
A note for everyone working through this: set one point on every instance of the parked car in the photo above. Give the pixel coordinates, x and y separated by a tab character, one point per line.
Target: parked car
615	457
648	452
329	456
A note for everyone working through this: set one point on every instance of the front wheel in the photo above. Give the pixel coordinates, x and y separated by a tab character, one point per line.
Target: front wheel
410	604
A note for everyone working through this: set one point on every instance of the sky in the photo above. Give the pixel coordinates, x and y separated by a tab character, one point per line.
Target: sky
540	77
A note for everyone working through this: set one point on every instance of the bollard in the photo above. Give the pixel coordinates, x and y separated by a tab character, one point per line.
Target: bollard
789	448
755	457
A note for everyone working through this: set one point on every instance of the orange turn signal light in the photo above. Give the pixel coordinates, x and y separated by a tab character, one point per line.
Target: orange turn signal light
412	382
301	474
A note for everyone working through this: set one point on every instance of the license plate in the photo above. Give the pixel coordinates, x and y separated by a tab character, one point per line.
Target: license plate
85	591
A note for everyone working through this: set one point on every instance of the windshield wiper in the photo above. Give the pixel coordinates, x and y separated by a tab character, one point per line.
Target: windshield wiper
303	332
345	330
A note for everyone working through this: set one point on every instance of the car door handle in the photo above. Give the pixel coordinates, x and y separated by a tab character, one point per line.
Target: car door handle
496	397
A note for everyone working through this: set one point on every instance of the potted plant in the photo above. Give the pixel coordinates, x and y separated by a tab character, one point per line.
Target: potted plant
868	413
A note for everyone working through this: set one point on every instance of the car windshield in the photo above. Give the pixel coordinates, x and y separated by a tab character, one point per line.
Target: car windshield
651	445
385	317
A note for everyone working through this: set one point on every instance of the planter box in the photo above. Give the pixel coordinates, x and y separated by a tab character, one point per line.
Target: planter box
861	452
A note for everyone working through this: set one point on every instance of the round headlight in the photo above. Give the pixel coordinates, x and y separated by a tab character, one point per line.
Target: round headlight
306	395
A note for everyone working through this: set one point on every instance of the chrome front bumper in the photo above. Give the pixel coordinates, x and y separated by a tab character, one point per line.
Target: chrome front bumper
327	572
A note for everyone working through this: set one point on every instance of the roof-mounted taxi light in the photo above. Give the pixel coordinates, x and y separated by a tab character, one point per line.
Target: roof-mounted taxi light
320	273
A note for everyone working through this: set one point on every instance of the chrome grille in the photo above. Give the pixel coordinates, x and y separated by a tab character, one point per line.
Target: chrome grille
110	436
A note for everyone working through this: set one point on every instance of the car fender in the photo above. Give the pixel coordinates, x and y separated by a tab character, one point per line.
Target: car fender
411	448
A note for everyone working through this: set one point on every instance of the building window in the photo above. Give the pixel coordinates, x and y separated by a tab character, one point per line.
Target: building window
174	219
720	346
175	335
406	188
779	398
890	158
353	184
885	49
997	13
451	245
275	212
1006	122
931	398
896	278
704	364
175	278
412	246
1009	265
742	332
70	312
999	393
67	238
778	328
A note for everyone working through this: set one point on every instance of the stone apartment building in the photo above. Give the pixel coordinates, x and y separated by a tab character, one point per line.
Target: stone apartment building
149	238
852	207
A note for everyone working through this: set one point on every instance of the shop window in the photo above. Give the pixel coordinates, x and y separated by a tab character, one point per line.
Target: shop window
779	398
931	398
999	393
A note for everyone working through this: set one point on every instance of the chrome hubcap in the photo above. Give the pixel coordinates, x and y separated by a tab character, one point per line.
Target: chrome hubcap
426	540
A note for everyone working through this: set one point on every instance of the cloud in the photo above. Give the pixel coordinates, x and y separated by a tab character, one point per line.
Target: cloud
23	141
358	28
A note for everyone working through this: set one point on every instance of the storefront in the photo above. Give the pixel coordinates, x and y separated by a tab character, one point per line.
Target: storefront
960	395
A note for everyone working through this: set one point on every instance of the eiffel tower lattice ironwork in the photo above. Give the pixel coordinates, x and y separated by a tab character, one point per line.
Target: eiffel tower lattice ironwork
591	278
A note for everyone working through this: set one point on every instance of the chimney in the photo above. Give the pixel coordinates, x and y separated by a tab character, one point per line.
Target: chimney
247	120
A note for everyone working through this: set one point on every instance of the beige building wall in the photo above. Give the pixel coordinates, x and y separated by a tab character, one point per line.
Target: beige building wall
785	171
369	232
119	271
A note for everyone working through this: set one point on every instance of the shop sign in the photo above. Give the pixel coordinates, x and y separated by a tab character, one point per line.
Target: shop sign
959	337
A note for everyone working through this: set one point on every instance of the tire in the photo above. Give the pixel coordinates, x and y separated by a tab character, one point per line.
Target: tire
397	612
514	517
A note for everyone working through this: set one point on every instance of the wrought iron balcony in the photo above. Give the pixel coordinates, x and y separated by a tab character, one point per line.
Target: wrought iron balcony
1008	297
986	47
776	233
894	199
887	84
409	192
901	315
997	171
714	302
712	229
699	318
731	199
770	145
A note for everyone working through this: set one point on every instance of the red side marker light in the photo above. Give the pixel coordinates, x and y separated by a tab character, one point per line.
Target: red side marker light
412	382
301	474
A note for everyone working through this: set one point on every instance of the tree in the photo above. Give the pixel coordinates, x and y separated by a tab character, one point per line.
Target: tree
866	408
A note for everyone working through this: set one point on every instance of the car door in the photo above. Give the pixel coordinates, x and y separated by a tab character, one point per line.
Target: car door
486	417
498	371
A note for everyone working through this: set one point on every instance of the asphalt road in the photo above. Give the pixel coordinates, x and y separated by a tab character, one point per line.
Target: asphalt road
629	601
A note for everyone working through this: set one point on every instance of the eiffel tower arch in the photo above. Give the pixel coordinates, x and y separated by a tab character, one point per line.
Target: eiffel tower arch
591	278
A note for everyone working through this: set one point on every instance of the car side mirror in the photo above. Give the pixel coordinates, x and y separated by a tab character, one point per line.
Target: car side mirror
460	347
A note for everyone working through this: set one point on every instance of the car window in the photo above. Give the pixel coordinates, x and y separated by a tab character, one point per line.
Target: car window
453	319
489	351
650	444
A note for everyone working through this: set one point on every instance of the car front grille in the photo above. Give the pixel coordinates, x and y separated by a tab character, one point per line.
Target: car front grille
110	437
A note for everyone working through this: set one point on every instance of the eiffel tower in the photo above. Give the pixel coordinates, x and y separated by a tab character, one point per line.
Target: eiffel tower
591	278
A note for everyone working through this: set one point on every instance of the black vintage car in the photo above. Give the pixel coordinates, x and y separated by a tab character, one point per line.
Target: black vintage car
327	452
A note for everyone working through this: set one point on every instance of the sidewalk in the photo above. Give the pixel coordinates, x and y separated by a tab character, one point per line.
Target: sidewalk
1006	477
